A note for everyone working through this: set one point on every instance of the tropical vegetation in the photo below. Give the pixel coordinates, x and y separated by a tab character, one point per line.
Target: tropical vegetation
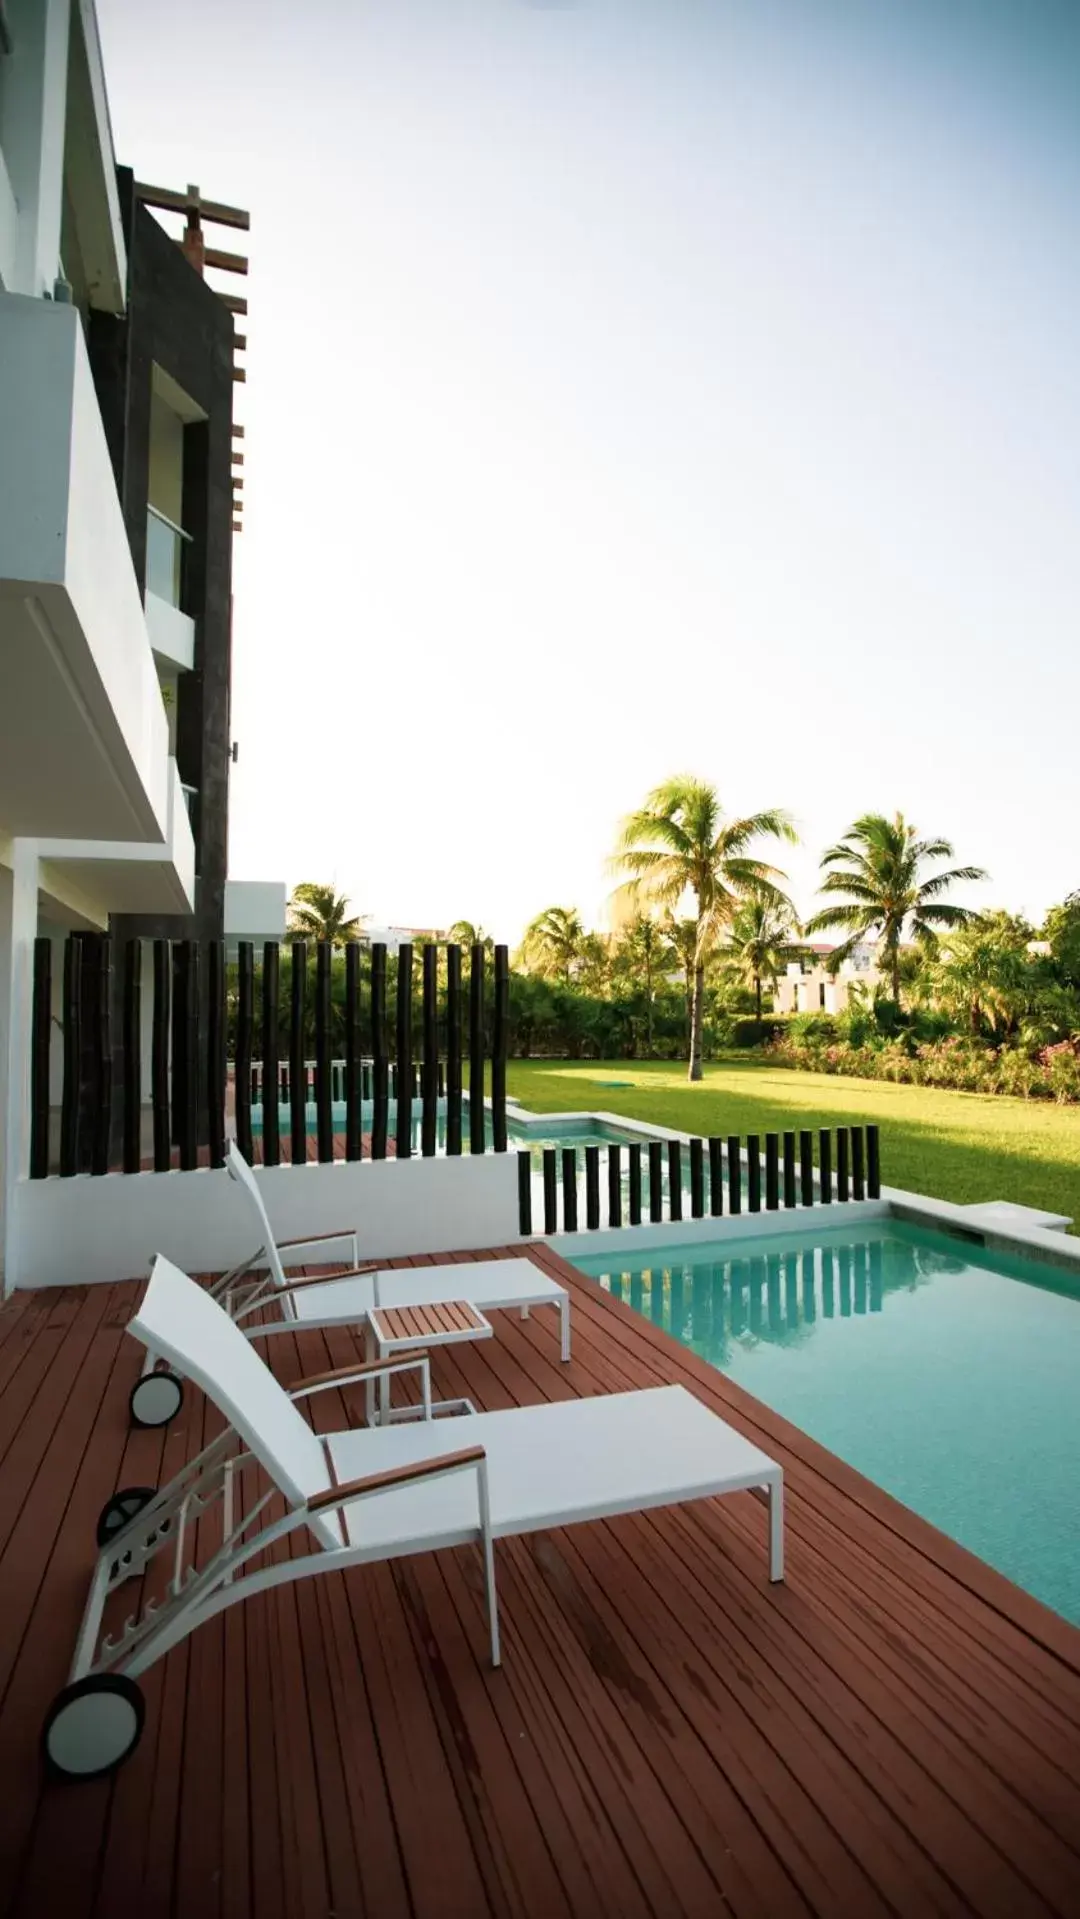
881	865
319	913
680	845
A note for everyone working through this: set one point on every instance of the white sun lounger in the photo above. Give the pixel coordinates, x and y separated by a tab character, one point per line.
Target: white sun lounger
362	1496
343	1299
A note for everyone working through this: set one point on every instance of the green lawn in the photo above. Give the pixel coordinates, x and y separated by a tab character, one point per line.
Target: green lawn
958	1146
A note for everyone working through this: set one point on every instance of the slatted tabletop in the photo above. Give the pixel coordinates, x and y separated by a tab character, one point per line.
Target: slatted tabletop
896	1730
403	1326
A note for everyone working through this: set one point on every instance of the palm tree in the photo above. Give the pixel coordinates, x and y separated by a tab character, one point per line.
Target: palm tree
761	940
679	842
880	864
465	933
552	943
318	913
645	949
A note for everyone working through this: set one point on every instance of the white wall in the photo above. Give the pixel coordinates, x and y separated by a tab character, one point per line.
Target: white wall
18	928
83	733
255	909
33	110
88	1230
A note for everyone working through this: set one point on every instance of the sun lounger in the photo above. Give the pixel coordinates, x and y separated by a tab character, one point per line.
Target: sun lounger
361	1496
345	1299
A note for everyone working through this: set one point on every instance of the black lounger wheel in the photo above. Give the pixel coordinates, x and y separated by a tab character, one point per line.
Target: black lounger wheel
156	1399
93	1726
121	1509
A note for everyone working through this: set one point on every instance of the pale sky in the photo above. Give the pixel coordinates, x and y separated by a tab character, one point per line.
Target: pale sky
639	386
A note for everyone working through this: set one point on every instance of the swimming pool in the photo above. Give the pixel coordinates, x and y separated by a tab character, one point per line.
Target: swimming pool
947	1373
580	1133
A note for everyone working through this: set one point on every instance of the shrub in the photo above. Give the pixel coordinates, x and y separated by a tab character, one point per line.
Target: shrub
959	1063
748	1032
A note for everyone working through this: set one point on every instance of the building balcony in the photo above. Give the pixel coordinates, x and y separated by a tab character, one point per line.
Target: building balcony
111	876
83	734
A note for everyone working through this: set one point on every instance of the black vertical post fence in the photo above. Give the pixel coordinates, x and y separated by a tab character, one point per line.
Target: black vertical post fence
873	1162
858	1165
772	1172
806	1168
499	1042
271	1005
324	1111
716	1176
297	1052
633	1154
245	1020
753	1172
216	1063
842	1190
551	1191
592	1187
674	1155
569	1189
159	1057
186	1051
430	1070
476	1049
103	1063
734	1174
404	1058
69	1110
614	1185
656	1180
354	1132
41	1035
697	1178
453	1049
524	1161
131	1018
380	1064
789	1169
825	1165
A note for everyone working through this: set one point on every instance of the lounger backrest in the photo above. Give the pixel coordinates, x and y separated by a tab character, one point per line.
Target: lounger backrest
181	1323
239	1170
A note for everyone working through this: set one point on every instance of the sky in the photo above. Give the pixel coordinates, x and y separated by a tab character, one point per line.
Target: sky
638	387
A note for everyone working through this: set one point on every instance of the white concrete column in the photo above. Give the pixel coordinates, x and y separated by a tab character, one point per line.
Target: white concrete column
33	113
18	928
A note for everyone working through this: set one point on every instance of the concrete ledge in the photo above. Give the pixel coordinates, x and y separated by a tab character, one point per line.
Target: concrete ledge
89	1231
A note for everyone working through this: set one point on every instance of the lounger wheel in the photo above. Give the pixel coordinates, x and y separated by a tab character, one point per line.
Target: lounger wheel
156	1399
93	1726
121	1509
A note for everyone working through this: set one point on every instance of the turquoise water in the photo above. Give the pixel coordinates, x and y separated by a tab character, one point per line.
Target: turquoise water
571	1132
947	1373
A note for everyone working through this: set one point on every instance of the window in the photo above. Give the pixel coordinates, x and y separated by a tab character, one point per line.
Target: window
821	996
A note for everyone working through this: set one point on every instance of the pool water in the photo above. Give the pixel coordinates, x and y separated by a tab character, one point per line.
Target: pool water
570	1132
947	1373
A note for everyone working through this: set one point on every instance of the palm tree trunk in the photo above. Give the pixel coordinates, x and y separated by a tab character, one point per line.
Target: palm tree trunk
648	1006
896	974
757	989
697	1012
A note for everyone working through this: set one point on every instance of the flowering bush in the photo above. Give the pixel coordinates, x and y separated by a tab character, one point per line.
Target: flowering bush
959	1063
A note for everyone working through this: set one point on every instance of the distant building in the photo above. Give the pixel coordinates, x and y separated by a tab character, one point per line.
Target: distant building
808	986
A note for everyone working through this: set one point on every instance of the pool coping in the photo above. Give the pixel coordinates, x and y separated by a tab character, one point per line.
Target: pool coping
1049	1245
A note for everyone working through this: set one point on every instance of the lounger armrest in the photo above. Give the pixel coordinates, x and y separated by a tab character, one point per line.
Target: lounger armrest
367	1369
396	1476
329	1279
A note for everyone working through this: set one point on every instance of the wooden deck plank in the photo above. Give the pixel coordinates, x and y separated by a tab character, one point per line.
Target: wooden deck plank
895	1730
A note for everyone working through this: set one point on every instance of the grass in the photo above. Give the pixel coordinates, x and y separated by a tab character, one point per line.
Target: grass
957	1146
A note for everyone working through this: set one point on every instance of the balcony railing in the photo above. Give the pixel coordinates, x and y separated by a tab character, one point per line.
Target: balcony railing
164	546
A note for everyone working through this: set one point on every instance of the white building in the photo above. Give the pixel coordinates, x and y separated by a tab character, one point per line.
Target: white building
93	817
808	986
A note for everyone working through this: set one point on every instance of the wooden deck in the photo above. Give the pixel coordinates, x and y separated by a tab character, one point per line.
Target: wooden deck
894	1731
